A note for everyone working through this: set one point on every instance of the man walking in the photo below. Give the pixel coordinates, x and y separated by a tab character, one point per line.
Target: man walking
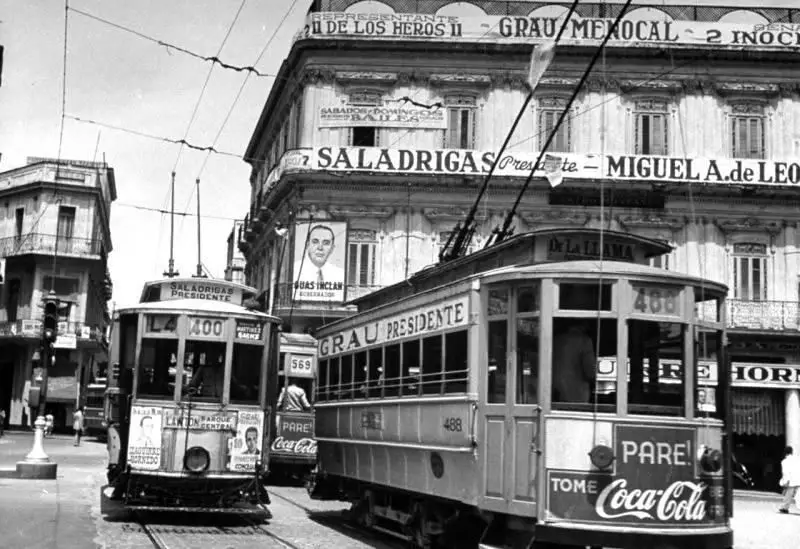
77	425
790	478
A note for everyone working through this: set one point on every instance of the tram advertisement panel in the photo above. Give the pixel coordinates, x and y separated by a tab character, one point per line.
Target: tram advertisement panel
200	420
144	443
295	437
245	448
654	482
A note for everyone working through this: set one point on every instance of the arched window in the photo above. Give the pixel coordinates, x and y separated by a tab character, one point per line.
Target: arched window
461	114
750	271
747	130
550	109
651	126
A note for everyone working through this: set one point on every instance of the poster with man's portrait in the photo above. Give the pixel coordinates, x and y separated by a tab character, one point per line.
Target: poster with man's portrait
320	251
245	448
144	442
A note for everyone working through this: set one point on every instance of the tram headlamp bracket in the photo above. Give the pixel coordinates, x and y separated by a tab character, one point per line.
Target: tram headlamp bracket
711	460
196	459
602	456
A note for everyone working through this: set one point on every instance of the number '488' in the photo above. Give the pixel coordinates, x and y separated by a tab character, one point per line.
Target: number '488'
452	424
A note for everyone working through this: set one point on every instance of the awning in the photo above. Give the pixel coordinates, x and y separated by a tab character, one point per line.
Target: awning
62	389
758	412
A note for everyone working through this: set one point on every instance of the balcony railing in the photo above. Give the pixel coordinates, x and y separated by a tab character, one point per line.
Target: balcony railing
764	315
32	328
40	243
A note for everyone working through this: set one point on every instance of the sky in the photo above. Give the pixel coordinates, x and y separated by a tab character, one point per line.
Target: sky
119	79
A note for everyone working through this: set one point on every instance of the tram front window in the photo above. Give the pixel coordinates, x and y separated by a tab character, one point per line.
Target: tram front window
579	381
246	373
158	360
656	368
204	370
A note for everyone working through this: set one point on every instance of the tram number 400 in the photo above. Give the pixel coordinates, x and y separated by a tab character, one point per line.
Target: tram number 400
656	301
453	424
205	327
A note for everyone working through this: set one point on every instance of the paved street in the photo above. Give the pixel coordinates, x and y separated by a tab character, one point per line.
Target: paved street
66	514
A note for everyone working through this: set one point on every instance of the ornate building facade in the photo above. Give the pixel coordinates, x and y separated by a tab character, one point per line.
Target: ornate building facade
54	235
386	117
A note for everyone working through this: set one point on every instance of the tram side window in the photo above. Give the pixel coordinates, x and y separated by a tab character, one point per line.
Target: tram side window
392	363
157	371
578	383
498	337
709	399
455	362
411	368
322	381
527	360
656	368
375	381
431	375
584	296
360	375
204	370
346	378
333	379
246	373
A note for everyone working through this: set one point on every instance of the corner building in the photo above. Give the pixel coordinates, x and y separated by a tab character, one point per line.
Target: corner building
382	124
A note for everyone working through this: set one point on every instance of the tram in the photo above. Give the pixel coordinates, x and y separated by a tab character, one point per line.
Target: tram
553	390
293	448
188	398
94	409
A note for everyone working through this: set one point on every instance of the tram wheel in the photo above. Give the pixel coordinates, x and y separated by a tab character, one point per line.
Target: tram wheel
416	529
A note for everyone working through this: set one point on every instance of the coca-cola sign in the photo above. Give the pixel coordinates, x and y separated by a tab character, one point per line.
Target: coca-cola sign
655	479
295	436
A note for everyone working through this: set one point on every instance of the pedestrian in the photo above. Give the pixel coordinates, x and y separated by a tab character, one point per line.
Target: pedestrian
790	478
48	425
77	425
2	421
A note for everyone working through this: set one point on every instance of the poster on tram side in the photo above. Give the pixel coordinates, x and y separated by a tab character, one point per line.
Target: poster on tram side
245	448
144	442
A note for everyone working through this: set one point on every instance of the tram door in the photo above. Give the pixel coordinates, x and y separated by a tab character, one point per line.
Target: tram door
512	415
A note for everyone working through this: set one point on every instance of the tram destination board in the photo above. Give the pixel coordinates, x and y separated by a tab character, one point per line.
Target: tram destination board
299	365
201	327
246	329
656	300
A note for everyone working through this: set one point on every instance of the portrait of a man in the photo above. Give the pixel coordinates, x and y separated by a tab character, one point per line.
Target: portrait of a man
251	442
146	436
319	260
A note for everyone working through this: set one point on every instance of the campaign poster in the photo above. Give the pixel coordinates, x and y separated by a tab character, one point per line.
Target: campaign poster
245	448
144	442
319	261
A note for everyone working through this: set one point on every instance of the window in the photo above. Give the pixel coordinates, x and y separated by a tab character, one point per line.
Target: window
660	261
375	375
431	369
750	271
322	380
527	298
360	375
364	136
346	378
64	286
651	127
709	396
456	345
747	130
498	344
246	373
204	370
411	369
157	369
584	297
66	222
550	109
20	217
461	111
392	375
361	258
656	367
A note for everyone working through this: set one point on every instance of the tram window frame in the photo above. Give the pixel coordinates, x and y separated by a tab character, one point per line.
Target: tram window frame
589	296
650	399
456	362
322	380
346	377
392	363
170	379
527	300
375	372
334	377
251	362
707	394
410	361
196	356
430	375
498	307
360	375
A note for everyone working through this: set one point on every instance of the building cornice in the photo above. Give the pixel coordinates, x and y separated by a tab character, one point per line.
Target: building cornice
749	224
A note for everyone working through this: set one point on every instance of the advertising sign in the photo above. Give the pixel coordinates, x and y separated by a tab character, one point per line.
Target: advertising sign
299	365
199	420
528	30
295	437
144	442
654	483
246	329
208	290
245	448
386	116
319	261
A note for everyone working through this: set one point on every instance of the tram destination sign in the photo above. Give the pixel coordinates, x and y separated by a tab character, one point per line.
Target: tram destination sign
199	420
252	331
655	482
208	290
656	300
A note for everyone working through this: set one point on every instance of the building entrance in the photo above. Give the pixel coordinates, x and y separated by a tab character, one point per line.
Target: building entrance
6	385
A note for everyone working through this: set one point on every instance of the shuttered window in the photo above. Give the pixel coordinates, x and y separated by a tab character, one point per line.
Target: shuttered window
651	127
758	412
747	132
460	133
550	109
362	245
750	271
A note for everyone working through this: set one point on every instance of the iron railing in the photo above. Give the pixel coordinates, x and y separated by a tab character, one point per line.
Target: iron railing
764	315
41	243
32	328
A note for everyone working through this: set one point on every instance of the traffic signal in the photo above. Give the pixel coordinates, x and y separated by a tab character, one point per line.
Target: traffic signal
50	325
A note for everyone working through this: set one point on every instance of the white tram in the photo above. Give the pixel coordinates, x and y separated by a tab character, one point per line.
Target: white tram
188	398
483	399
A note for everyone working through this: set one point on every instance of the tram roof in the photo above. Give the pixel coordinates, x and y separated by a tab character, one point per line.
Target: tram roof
196	306
532	248
290	338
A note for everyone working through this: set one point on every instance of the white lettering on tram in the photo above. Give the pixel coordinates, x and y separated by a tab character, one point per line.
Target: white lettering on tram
680	501
678	454
450	314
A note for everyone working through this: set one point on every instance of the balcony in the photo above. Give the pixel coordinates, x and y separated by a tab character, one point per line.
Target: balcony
46	244
32	329
764	315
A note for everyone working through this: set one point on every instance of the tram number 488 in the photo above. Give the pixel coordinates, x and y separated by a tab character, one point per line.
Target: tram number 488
656	301
205	327
453	424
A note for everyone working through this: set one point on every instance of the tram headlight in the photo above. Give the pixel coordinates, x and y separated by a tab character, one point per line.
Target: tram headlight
710	460
601	456
196	459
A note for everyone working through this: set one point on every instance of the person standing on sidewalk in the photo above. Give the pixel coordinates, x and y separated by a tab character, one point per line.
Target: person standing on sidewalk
790	478
2	421
77	425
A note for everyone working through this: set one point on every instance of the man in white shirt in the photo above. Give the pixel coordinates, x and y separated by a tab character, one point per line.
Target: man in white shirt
315	266
790	478
293	398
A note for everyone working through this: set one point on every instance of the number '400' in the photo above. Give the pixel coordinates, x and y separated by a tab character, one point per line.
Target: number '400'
656	301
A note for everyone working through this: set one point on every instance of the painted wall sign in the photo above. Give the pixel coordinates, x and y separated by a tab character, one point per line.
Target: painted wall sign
710	171
245	448
199	420
385	116
319	261
295	436
526	30
208	290
144	442
654	482
443	316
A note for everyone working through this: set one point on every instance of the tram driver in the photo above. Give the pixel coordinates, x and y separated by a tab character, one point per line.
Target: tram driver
574	364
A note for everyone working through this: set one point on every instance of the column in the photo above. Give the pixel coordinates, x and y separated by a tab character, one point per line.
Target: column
792	400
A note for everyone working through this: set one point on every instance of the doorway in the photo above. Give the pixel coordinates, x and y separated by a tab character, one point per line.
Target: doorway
6	386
